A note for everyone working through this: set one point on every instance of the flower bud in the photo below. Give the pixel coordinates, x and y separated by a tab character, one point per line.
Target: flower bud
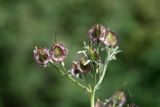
58	52
94	55
41	55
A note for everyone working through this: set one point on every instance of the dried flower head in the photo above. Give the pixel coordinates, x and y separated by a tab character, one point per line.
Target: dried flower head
119	98
96	32
110	39
41	55
58	52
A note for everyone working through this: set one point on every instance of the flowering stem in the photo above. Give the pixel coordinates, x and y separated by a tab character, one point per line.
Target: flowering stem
79	84
75	81
57	68
114	105
103	74
92	98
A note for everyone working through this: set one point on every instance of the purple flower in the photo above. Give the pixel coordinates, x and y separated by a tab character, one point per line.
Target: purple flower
75	70
58	52
80	67
41	55
96	32
119	98
110	39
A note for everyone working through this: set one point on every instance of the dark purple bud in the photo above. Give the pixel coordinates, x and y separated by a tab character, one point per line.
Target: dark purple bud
41	55
58	52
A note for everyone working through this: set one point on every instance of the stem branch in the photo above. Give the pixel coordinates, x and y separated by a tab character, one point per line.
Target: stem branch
103	73
75	81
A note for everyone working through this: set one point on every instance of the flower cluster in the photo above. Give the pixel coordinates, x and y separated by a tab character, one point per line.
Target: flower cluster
100	38
99	33
89	71
118	99
43	55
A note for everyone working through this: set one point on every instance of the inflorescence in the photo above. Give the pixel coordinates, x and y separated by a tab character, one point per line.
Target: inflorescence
98	51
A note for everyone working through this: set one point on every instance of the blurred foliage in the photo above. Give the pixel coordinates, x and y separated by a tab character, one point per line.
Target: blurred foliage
26	23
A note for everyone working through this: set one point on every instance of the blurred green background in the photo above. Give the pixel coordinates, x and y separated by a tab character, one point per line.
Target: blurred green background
26	23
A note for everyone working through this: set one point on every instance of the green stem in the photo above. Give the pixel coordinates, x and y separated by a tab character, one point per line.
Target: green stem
65	73
79	84
92	99
103	73
55	67
75	81
114	105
